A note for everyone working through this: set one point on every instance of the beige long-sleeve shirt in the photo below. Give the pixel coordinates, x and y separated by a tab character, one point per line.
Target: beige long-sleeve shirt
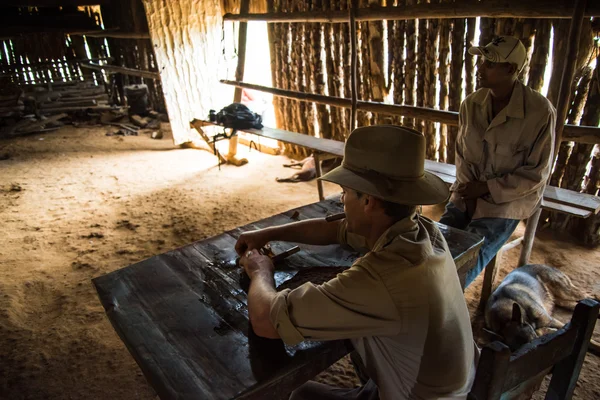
511	152
403	308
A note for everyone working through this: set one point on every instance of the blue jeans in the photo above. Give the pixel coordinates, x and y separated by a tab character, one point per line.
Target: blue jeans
495	232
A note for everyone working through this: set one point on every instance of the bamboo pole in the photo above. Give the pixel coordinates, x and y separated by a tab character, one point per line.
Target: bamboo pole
298	48
444	72
539	58
345	63
467	9
353	64
396	67
332	70
279	46
422	86
455	88
319	74
431	135
469	58
363	78
376	78
559	46
239	75
410	65
289	77
309	70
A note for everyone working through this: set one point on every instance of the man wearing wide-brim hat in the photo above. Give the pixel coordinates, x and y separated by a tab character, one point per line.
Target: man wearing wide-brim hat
503	150
401	304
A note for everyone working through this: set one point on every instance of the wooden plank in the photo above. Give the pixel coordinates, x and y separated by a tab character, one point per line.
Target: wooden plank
183	315
565	209
571	198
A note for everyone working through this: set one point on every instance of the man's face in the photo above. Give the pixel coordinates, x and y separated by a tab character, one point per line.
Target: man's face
493	75
354	208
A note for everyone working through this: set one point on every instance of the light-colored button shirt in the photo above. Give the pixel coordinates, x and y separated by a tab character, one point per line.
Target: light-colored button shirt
403	308
512	152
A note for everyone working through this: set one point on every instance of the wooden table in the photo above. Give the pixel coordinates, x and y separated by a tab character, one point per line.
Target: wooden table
183	315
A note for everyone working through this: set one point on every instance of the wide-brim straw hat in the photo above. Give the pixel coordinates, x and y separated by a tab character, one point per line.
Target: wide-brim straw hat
388	162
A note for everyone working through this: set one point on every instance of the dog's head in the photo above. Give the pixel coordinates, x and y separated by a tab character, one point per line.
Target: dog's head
517	332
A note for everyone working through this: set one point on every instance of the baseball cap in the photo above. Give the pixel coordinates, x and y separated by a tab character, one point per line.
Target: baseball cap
502	49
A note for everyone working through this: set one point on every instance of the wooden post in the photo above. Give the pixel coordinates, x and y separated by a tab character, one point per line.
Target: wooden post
239	75
566	372
564	94
530	228
353	63
319	172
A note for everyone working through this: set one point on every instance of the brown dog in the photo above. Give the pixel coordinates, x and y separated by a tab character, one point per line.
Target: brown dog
308	170
520	309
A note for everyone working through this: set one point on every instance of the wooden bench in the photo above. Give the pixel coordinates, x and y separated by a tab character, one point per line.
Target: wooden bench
501	374
555	199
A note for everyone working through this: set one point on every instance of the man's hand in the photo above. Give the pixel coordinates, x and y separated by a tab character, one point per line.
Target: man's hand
255	263
472	190
252	240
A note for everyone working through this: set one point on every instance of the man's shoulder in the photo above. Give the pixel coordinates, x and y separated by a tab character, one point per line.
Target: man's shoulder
536	101
477	96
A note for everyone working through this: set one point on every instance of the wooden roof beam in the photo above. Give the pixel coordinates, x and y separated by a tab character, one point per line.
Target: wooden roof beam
52	3
488	8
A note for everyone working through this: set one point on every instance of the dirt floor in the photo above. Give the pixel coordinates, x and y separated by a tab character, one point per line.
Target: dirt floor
76	204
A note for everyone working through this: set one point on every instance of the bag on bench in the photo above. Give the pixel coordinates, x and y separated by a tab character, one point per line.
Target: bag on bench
237	116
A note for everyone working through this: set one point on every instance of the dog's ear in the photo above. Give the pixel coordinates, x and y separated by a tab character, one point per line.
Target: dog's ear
494	335
517	314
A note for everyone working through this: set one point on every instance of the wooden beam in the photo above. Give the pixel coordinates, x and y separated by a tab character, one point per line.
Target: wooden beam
52	3
114	33
42	63
122	70
12	25
489	8
579	134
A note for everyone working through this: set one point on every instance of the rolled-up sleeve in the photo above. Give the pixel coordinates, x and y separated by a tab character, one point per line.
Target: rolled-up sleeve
533	174
354	304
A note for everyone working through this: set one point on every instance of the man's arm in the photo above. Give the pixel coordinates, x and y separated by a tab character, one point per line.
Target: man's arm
312	231
463	169
531	176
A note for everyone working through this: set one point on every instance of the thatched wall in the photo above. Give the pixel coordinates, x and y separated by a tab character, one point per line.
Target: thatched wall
427	65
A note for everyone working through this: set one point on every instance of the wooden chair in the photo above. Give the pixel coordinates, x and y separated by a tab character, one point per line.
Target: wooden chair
502	375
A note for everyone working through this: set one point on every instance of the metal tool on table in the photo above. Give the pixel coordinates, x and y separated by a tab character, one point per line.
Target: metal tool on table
245	280
267	251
